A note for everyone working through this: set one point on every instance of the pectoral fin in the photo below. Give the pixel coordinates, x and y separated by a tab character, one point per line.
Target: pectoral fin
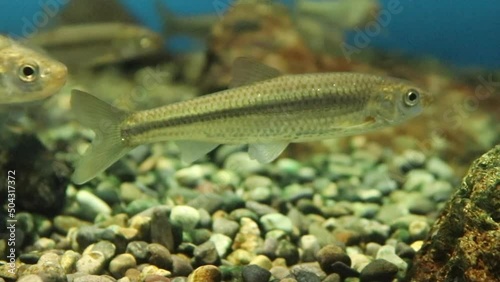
193	150
266	153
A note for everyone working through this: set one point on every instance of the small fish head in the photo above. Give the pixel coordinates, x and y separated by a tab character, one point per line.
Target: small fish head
400	100
29	75
137	42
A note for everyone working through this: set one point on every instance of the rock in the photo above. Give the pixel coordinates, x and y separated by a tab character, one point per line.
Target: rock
64	222
91	205
388	253
252	272
160	256
206	273
310	246
288	251
106	248
162	232
465	245
181	265
185	217
331	254
91	263
206	253
30	278
277	221
68	261
418	230
120	264
139	250
222	243
379	270
334	277
225	226
93	278
242	165
190	176
262	261
417	179
439	168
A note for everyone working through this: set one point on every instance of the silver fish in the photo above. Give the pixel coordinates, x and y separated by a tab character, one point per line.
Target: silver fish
94	44
263	108
27	75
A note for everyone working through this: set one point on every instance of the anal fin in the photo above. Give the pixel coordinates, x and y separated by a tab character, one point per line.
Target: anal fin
267	152
193	150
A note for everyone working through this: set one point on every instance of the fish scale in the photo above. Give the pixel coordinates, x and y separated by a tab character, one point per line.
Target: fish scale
291	106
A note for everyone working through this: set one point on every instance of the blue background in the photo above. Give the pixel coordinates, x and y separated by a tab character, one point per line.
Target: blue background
460	32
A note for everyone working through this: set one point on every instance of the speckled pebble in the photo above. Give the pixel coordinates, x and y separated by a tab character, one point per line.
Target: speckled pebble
331	254
91	263
206	273
106	248
419	229
190	176
379	270
439	168
262	261
68	260
252	273
181	265
93	278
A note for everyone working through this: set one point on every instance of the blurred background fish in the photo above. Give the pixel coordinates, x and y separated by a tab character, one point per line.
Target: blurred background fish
94	44
27	75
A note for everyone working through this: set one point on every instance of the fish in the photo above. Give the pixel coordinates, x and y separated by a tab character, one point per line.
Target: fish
262	108
26	74
94	44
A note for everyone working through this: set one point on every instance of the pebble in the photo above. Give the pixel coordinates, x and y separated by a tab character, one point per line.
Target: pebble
225	226
106	248
379	270
387	253
262	261
260	194
276	221
306	276
63	223
206	253
206	273
240	257
181	265
185	216
359	261
241	164
439	168
138	249
159	256
92	205
331	254
222	243
130	192
162	232
417	179
120	264
419	229
253	273
334	277
30	278
288	251
190	176
91	263
68	260
309	245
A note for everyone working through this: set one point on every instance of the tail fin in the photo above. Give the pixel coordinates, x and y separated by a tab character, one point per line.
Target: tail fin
108	145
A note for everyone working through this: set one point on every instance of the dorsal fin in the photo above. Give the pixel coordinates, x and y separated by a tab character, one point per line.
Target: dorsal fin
247	70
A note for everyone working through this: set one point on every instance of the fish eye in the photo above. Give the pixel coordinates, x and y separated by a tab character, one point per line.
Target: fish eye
28	72
411	97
